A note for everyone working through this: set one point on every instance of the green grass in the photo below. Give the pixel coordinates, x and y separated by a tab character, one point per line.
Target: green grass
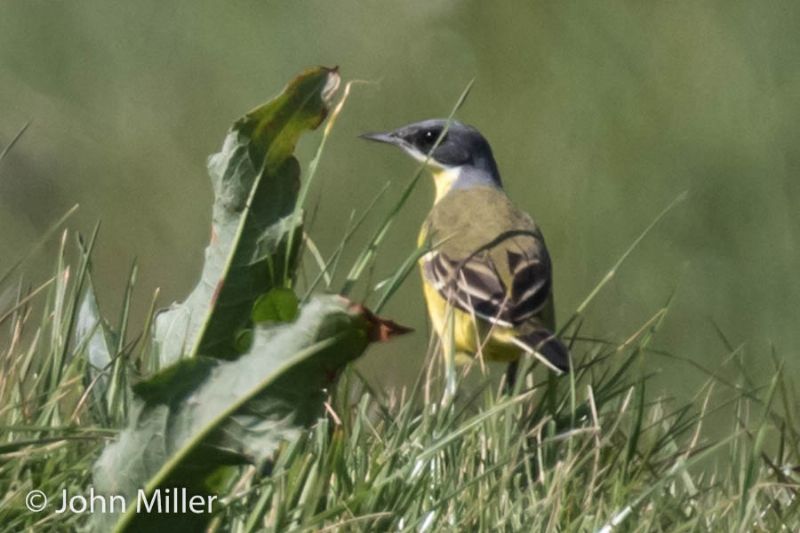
593	451
572	454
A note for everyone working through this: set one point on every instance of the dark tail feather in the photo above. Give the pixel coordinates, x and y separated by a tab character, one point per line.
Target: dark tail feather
548	346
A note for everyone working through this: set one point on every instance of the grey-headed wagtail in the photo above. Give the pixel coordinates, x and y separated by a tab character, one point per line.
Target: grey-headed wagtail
488	278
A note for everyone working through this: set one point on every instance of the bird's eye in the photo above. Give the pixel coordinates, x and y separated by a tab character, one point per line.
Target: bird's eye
428	137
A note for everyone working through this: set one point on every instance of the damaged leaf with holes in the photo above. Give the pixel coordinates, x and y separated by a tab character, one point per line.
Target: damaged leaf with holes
256	181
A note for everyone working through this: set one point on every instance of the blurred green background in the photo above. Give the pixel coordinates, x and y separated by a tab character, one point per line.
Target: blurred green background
600	114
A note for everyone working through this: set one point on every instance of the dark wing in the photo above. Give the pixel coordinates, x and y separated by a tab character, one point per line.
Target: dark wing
505	284
530	283
474	286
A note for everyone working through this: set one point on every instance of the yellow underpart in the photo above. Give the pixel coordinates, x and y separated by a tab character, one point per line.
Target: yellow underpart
467	336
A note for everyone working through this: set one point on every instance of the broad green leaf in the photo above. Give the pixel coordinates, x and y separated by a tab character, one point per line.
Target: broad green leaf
243	369
256	182
195	419
278	305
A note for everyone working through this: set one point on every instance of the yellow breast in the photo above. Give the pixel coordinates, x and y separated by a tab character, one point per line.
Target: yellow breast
468	335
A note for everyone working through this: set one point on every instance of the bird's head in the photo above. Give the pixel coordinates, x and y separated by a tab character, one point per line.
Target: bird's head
457	154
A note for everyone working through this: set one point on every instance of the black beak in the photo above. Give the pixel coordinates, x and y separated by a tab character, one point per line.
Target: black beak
383	137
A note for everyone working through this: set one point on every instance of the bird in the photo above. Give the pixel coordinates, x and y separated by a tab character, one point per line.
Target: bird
487	277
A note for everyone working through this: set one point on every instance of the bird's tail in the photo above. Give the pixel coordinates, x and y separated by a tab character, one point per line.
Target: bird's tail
545	346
